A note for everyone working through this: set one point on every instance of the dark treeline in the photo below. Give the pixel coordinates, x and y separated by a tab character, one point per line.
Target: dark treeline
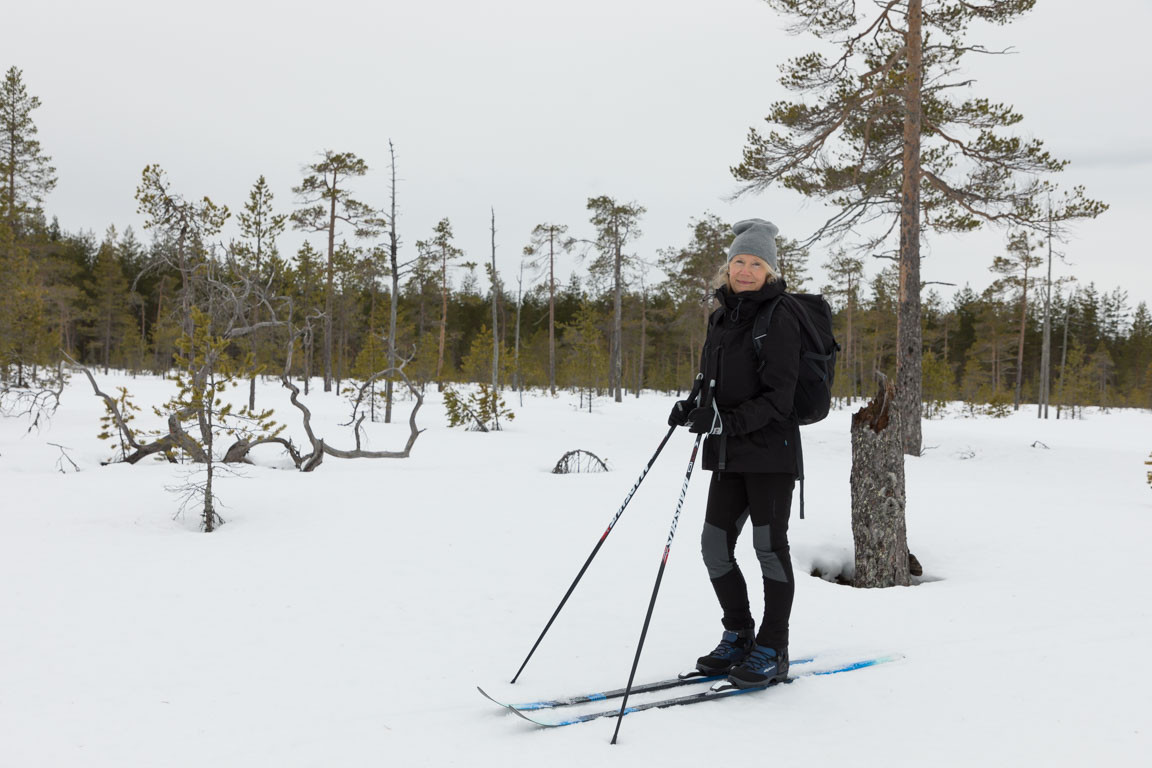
106	303
976	346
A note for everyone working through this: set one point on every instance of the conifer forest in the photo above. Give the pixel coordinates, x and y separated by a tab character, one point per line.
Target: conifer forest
359	301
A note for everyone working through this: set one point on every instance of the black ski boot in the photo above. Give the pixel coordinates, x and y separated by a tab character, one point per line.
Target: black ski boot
733	647
763	666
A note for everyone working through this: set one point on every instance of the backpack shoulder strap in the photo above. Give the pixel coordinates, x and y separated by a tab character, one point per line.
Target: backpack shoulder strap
760	326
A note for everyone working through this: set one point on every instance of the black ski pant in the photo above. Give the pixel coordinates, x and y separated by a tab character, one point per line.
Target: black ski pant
766	499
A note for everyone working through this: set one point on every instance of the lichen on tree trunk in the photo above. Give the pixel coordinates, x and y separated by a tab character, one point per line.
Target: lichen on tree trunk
877	480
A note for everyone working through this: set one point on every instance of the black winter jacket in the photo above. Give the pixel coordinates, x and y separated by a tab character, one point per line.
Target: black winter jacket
756	401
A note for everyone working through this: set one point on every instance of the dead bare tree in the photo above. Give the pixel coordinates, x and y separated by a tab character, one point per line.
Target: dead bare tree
308	462
176	439
37	401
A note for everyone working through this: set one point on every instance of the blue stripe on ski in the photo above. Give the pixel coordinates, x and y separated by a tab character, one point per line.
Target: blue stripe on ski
856	665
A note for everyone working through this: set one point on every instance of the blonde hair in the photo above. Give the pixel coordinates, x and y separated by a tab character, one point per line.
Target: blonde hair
721	278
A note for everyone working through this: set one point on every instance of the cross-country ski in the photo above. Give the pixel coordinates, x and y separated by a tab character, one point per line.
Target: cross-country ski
719	690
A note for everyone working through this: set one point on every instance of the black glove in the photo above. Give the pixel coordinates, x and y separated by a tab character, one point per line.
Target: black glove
705	421
679	415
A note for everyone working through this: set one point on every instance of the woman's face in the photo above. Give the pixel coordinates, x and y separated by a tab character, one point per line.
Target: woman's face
747	273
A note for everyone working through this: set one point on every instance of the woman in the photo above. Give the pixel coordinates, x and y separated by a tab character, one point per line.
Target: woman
751	450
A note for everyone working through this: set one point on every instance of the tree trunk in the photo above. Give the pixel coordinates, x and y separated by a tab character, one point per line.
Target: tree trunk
850	363
1020	344
877	480
519	305
1064	356
159	310
185	285
1046	345
643	339
908	335
107	339
328	297
443	311
495	334
615	368
393	253
208	522
552	313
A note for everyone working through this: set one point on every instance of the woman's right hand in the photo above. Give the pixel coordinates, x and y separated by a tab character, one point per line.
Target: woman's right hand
679	415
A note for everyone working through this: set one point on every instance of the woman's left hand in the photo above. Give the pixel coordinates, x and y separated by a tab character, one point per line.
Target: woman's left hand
705	421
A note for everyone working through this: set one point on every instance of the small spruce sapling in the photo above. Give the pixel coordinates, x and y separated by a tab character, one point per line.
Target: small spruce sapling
112	430
481	411
206	373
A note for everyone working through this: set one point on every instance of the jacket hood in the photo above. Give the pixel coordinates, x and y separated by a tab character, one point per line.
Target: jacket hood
743	306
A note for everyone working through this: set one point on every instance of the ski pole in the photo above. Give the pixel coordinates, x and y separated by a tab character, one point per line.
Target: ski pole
692	395
656	588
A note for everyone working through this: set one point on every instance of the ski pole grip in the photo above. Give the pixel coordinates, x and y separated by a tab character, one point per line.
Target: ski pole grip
697	385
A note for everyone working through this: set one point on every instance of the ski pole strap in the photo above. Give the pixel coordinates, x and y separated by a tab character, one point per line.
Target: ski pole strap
697	385
718	428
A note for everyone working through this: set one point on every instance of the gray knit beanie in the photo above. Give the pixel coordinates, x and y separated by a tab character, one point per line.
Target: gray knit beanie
756	237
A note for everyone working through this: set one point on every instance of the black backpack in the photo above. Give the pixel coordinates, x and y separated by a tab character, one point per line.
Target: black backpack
818	350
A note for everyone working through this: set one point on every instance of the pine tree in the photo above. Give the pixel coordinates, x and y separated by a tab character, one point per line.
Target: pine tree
185	227
1085	311
24	342
477	364
939	386
1138	357
691	270
306	287
207	372
372	358
1101	368
26	176
617	224
441	248
108	307
26	173
884	139
550	239
793	262
1014	272
259	227
327	202
1075	385
586	362
395	269
845	274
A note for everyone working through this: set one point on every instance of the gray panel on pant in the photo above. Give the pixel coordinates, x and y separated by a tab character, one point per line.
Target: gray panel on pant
714	547
770	564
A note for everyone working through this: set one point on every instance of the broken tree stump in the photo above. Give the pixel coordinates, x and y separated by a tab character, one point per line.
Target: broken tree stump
878	526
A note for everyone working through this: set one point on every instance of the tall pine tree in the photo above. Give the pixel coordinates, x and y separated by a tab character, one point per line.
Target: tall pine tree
26	173
884	138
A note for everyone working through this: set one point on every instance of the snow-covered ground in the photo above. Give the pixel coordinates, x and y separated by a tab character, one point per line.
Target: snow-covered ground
345	617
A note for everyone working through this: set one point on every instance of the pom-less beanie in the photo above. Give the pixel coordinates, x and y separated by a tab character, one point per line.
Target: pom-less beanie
756	237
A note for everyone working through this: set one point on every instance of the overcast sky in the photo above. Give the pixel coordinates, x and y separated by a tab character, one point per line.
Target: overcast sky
532	107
